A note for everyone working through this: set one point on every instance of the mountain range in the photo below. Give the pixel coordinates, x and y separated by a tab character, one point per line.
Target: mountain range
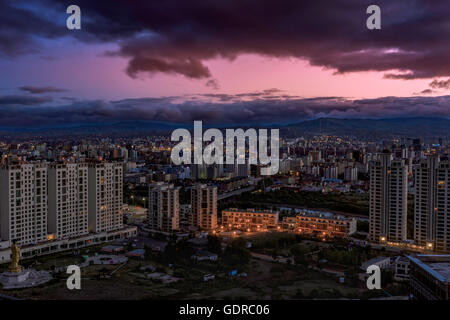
373	128
364	128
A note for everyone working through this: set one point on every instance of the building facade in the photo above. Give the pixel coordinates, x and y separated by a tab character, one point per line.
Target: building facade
185	214
250	219
23	203
351	174
320	225
105	197
432	204
68	200
388	199
54	207
164	207
203	207
429	277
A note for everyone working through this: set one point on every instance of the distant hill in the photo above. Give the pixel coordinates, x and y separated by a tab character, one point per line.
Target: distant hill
364	128
372	128
77	129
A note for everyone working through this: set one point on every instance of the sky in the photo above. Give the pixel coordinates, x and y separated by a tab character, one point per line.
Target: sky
222	61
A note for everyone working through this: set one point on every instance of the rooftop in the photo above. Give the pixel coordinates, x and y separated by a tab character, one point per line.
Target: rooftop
372	261
251	210
436	265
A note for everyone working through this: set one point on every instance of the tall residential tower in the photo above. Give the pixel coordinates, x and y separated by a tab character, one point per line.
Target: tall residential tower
432	204
204	207
105	196
388	199
164	207
23	203
68	200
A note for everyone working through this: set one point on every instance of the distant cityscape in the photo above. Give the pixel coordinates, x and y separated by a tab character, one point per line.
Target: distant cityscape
73	195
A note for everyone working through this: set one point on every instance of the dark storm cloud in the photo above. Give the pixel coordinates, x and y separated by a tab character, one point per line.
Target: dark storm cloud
235	111
39	90
20	24
177	37
11	100
213	84
443	84
426	91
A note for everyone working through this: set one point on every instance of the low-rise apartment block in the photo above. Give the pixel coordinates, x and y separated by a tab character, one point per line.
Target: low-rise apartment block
430	277
250	219
319	224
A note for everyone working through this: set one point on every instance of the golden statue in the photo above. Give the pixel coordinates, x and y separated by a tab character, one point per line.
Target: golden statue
15	256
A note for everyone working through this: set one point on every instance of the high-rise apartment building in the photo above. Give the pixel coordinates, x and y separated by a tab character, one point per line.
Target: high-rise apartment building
330	172
185	214
204	207
432	204
47	208
164	207
105	196
23	203
388	199
351	173
68	200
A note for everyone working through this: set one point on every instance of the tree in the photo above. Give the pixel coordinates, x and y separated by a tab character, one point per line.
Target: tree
238	242
236	256
387	277
336	293
214	244
362	226
299	294
299	255
147	252
351	276
314	293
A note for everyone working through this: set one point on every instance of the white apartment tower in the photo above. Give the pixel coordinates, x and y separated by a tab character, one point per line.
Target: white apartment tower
351	173
164	207
23	203
330	172
68	200
432	204
388	199
204	207
105	193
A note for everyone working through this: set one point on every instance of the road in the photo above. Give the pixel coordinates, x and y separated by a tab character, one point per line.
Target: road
6	297
269	258
234	193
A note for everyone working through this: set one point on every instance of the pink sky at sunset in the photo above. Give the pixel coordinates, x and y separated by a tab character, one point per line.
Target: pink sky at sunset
214	61
87	73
